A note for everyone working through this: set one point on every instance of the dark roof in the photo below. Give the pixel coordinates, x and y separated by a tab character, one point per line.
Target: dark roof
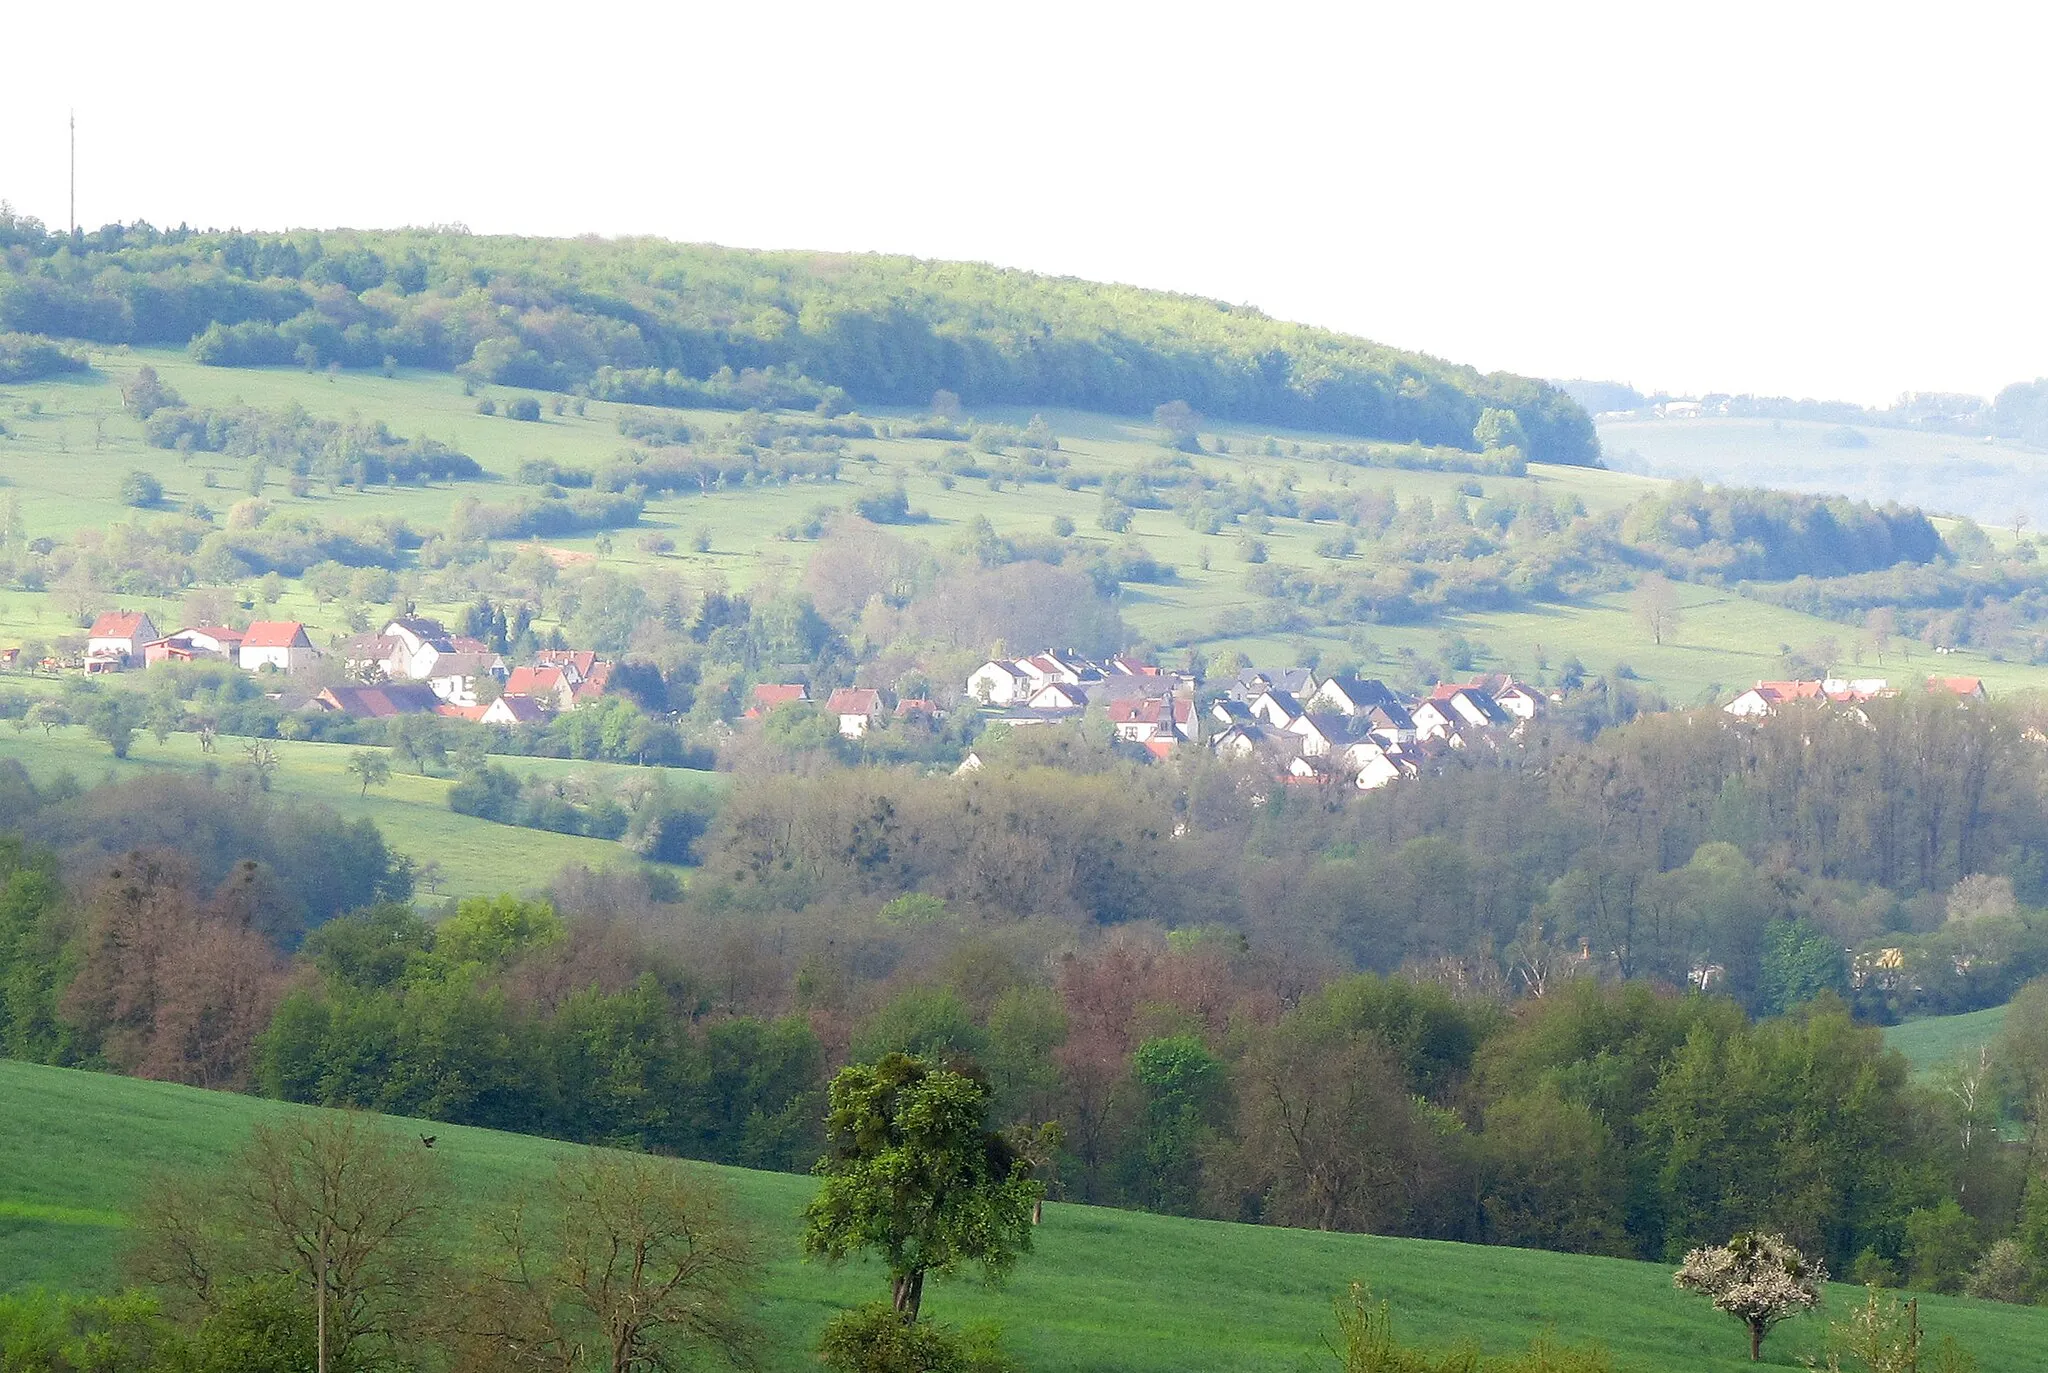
381	702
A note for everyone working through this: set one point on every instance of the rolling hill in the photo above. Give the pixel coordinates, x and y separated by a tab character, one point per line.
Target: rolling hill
1106	1290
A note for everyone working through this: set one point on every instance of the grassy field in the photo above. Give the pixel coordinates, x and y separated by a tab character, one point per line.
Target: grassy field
70	444
475	856
1106	1290
1990	482
1937	1042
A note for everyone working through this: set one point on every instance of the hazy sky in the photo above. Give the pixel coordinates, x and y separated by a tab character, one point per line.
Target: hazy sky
1811	199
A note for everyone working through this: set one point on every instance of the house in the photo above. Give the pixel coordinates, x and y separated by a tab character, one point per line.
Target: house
1351	695
578	664
120	634
1327	731
513	710
593	686
1149	720
190	645
1057	696
1123	665
454	676
373	657
1391	723
280	645
920	709
1000	682
1251	741
769	695
856	709
1253	683
378	702
420	642
473	714
1520	700
1450	709
1277	707
1052	666
1228	711
546	685
1969	688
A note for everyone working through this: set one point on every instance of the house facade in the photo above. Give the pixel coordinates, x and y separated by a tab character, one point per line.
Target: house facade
279	645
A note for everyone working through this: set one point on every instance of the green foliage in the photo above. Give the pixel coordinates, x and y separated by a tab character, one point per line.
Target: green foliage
27	357
142	490
875	1339
493	931
42	1332
913	1173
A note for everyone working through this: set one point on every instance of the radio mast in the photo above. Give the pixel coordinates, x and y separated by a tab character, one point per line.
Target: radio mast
74	173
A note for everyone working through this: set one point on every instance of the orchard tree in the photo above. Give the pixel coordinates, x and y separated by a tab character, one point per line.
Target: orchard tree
1756	1277
372	767
1655	602
914	1173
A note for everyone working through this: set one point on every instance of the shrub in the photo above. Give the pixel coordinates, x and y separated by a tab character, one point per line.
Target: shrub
874	1339
525	409
141	490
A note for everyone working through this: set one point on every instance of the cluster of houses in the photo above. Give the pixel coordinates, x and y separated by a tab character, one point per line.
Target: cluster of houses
855	710
413	666
1303	727
1849	693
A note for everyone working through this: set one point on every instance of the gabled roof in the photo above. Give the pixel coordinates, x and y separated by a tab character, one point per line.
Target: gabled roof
218	633
915	705
464	664
768	695
380	702
524	710
118	624
420	627
373	648
854	701
1961	686
1003	665
530	681
471	713
276	634
582	661
1360	691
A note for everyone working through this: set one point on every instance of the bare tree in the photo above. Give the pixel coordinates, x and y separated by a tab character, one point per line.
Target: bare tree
343	1209
1655	603
623	1263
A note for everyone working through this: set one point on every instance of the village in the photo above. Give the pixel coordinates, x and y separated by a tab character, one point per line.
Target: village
413	666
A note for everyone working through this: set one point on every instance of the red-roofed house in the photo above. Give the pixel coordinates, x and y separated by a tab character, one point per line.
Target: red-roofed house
769	695
545	685
122	634
856	707
1150	720
579	663
470	713
1969	688
280	645
379	702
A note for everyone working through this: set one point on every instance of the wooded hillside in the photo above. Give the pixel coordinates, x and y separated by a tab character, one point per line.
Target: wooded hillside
569	314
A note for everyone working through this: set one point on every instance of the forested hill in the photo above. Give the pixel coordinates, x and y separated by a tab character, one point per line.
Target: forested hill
641	319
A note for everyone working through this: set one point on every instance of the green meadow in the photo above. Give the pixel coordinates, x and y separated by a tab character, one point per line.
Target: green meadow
69	444
475	857
1106	1290
1941	1041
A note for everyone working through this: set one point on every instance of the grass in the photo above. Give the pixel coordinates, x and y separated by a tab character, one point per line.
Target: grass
1939	1041
65	462
1106	1290
476	857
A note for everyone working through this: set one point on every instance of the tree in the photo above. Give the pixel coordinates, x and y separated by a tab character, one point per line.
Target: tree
1758	1278
340	1207
1655	605
49	714
1498	429
913	1173
141	490
420	740
624	1263
261	757
372	767
111	720
1181	421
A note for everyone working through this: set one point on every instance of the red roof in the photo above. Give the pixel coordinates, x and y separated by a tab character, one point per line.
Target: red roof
854	701
461	712
380	702
118	624
581	659
768	695
1961	686
530	681
275	634
221	633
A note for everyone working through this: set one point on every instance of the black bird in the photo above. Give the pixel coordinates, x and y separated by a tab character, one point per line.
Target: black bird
428	1140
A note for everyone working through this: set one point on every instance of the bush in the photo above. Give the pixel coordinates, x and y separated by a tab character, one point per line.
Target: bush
141	490
874	1339
525	409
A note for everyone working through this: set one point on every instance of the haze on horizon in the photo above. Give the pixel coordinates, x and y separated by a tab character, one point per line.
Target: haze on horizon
1835	203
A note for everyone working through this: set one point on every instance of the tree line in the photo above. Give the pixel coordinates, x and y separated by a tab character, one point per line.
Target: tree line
885	330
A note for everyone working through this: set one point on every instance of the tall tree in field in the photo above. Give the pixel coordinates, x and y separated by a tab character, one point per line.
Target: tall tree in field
342	1209
914	1173
1758	1278
623	1263
1655	604
370	767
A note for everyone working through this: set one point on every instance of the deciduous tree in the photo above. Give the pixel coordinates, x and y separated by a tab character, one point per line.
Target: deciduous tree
1758	1278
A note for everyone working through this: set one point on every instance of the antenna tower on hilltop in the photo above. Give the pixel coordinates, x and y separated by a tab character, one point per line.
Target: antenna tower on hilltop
74	173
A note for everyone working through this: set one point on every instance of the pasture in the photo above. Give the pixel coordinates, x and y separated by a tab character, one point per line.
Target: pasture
474	857
1105	1291
69	445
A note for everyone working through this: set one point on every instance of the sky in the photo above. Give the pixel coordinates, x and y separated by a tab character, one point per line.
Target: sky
1840	201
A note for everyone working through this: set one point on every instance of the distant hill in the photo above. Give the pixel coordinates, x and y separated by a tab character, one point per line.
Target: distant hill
629	318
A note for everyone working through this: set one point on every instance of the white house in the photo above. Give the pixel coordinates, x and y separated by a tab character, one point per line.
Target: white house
280	645
856	708
454	676
1057	696
1000	682
1351	695
1278	708
120	634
